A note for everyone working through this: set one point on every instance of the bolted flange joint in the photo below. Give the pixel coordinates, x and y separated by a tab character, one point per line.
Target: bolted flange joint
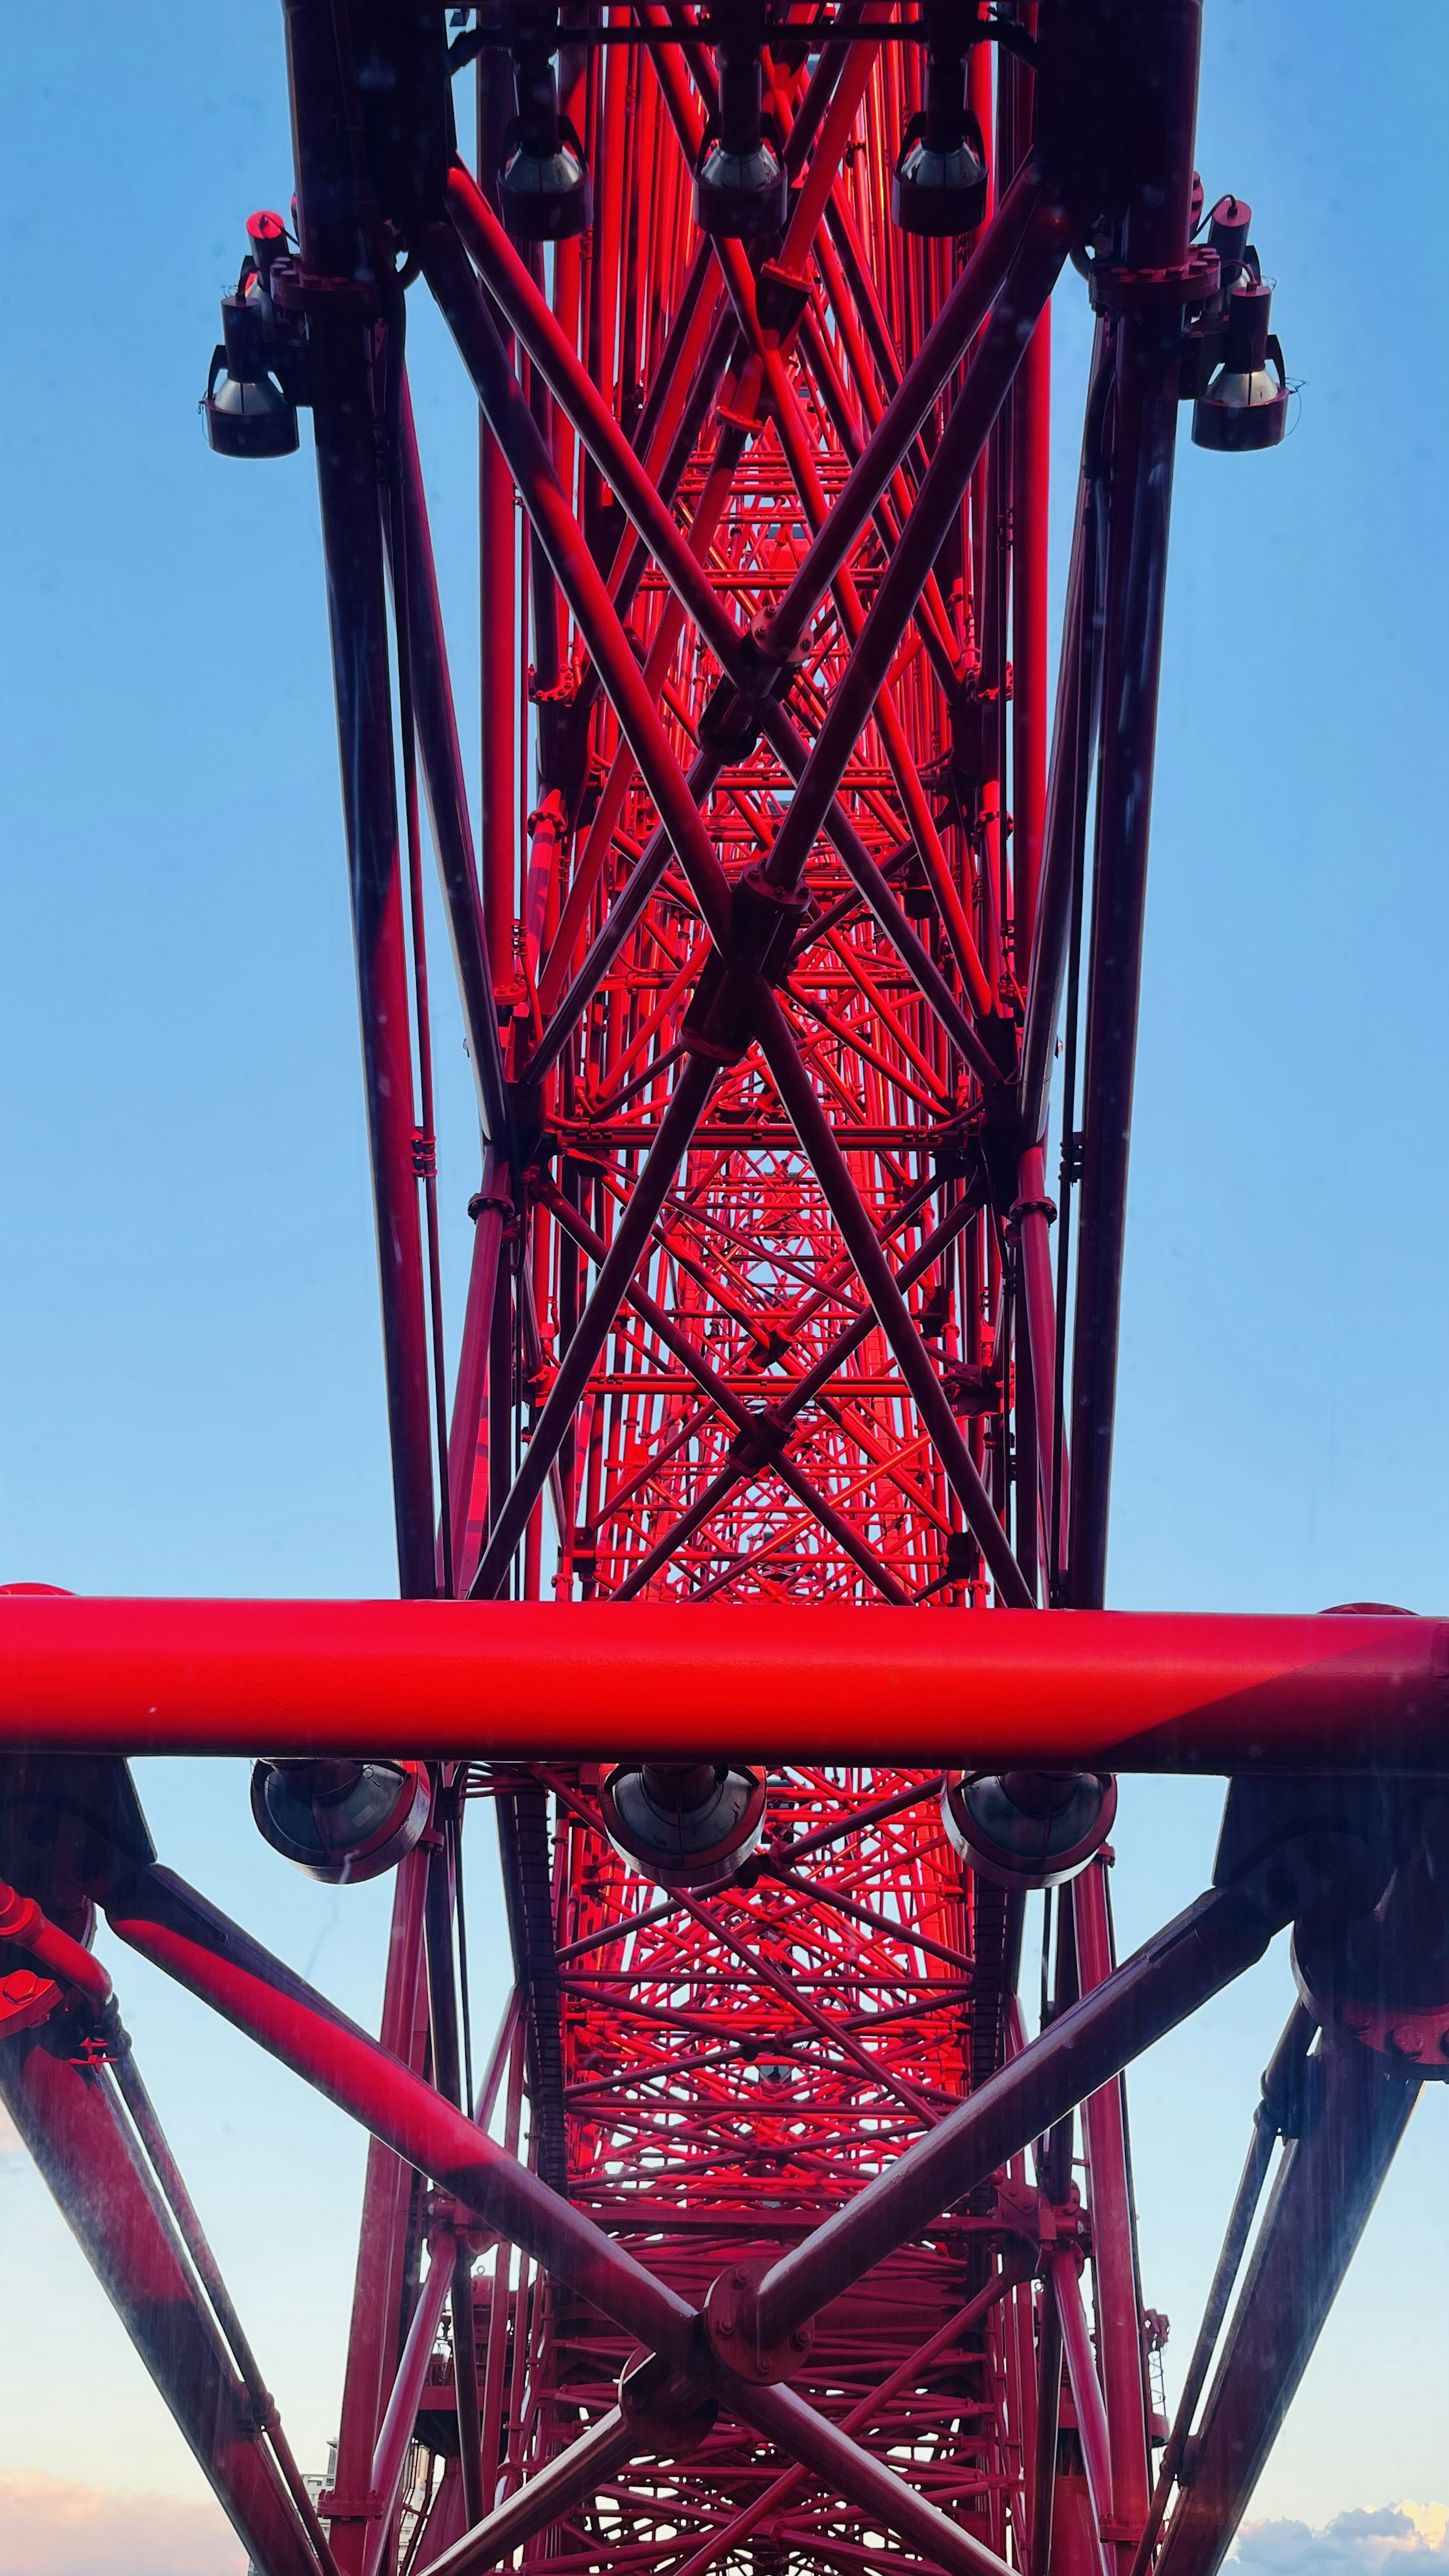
1115	288
663	2407
730	2311
763	1438
765	919
731	721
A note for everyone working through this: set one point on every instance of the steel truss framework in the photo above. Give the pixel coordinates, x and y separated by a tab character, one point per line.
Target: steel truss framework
769	2238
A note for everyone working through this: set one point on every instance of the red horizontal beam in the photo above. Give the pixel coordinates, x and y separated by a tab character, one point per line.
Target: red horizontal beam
1133	1691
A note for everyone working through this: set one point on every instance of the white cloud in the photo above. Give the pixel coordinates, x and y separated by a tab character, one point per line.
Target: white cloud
49	2527
1403	2539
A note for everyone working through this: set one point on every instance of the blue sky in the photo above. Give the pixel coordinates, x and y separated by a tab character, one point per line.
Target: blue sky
190	1383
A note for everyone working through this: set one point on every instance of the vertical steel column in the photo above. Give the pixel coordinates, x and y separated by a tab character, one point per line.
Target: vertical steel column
1120	2357
443	2016
1147	382
1031	432
1048	2423
390	2459
374	2336
497	582
1326	2187
342	300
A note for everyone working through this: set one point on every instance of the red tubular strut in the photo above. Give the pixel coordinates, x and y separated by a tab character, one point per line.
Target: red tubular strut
513	1681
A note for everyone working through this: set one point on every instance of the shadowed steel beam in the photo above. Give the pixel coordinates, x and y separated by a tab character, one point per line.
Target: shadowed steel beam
72	2127
1327	2185
1076	2343
1074	727
347	482
382	2240
576	2474
1117	2291
180	1933
1048	2427
845	2469
126	2075
1284	2073
464	307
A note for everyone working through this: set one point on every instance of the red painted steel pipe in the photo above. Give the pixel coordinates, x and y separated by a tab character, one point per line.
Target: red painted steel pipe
447	795
1118	2291
553	2491
1139	1691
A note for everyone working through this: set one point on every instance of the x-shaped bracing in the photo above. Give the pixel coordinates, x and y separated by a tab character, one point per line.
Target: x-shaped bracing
749	926
737	2351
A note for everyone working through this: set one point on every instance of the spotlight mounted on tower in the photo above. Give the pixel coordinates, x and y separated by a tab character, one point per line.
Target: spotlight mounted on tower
1238	382
254	387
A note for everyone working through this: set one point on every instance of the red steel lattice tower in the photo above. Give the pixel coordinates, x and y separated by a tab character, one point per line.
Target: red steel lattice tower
774	2237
